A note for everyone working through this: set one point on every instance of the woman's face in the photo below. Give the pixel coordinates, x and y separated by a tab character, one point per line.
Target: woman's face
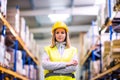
60	34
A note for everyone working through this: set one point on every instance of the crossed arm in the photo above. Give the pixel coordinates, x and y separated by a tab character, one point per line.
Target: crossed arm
59	67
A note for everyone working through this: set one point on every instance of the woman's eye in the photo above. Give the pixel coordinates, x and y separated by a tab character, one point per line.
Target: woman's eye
62	33
57	32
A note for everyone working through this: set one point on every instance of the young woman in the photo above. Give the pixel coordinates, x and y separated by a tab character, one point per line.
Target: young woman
60	58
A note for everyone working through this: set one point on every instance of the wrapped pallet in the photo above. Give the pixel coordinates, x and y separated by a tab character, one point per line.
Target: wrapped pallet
116	51
10	57
3	7
2	54
13	18
22	28
107	46
106	55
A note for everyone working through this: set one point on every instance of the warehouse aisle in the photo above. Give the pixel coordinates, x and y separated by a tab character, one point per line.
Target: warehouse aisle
93	26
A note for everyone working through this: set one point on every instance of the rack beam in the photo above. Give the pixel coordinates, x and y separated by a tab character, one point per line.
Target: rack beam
106	72
16	75
19	39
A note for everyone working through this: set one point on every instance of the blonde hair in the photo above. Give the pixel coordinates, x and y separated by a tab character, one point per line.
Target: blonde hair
67	40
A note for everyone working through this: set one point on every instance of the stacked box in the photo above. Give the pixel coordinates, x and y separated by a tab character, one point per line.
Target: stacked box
19	67
26	67
13	18
116	44
3	7
116	51
10	59
23	29
19	55
2	54
25	33
19	62
23	72
32	72
107	45
27	36
7	58
2	40
2	47
106	55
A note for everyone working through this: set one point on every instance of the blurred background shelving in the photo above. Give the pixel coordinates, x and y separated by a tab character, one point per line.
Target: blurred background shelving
101	59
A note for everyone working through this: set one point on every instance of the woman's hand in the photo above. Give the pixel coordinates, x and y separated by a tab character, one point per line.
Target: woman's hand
72	63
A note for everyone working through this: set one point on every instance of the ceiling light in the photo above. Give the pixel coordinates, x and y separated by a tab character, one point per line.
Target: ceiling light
58	17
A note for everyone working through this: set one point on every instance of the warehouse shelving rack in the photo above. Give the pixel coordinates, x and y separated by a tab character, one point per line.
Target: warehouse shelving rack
18	38
104	28
18	41
110	70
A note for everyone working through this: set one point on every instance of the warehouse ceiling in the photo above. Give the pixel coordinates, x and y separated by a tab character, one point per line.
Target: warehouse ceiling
36	12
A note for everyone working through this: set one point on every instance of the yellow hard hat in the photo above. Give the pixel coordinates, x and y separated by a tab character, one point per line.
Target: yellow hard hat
59	24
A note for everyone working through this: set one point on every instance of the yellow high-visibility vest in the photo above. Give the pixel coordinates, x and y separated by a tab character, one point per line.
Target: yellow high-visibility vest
55	56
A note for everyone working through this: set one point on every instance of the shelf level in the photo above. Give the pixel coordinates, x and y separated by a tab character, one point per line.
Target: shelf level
16	75
18	38
106	72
